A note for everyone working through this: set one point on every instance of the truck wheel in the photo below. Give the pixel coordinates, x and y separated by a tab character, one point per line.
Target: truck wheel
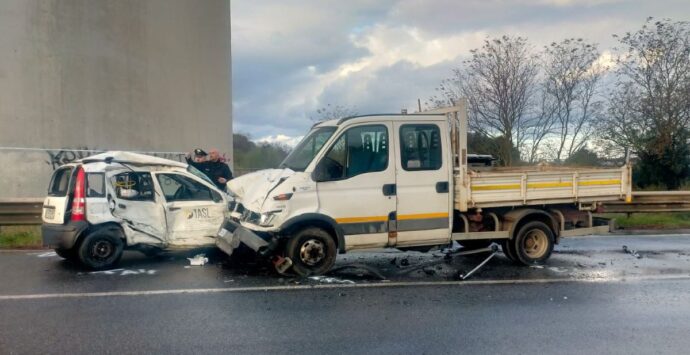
312	251
533	244
101	249
508	249
67	254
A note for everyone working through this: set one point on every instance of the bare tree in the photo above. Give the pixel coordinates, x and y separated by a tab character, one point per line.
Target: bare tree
541	125
498	82
649	110
329	112
571	78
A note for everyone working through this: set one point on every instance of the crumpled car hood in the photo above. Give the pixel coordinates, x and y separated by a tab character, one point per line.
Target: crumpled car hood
252	189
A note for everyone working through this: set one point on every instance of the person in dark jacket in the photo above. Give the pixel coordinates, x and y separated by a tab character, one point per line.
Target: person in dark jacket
212	165
220	172
198	159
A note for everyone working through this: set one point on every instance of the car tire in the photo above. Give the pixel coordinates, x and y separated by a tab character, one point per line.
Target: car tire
101	249
67	254
312	251
533	243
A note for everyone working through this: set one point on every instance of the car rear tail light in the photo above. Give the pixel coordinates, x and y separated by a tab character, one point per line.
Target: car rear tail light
79	199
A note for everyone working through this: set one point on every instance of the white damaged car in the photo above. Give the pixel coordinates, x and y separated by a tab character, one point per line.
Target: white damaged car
98	206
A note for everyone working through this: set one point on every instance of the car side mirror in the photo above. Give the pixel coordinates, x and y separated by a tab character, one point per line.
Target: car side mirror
216	196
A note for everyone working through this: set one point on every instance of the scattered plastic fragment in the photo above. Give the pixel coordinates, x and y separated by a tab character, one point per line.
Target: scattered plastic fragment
632	252
330	280
198	260
537	266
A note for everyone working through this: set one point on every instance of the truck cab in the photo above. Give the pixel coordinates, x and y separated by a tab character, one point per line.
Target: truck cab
354	183
98	206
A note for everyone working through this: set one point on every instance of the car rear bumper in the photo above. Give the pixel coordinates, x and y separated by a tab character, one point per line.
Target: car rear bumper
232	234
62	236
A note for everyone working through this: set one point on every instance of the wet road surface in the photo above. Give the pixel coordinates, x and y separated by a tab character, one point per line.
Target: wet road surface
591	297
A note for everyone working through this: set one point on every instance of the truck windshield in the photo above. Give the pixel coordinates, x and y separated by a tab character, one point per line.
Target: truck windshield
306	150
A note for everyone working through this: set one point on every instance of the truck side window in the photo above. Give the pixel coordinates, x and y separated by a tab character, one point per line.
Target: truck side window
135	186
420	147
360	150
181	188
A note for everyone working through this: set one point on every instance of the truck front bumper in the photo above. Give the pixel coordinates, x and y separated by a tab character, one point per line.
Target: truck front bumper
232	234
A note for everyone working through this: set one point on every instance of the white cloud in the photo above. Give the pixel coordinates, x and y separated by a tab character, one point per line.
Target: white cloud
292	57
280	139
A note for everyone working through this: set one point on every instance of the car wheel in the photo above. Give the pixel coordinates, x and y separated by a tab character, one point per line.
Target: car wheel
312	251
101	249
67	254
533	244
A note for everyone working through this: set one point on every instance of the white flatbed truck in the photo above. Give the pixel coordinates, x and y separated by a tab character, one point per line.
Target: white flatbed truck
403	181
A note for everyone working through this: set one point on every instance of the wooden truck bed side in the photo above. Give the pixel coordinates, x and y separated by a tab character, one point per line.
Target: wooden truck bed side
506	187
541	187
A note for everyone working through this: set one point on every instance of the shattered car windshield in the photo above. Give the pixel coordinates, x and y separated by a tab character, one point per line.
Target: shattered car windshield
306	150
199	174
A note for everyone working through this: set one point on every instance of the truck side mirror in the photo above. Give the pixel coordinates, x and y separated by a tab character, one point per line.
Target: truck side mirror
320	173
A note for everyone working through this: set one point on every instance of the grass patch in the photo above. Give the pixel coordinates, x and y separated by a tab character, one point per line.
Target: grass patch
20	237
651	220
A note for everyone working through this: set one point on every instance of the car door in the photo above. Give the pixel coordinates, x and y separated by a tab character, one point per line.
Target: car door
355	184
422	183
194	212
131	197
55	204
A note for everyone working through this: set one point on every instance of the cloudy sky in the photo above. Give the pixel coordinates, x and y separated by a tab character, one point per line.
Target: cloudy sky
292	57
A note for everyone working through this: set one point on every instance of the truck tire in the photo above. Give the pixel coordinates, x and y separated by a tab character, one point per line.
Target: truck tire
533	243
101	249
508	249
312	251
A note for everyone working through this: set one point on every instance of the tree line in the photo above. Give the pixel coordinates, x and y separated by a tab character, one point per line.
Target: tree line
563	101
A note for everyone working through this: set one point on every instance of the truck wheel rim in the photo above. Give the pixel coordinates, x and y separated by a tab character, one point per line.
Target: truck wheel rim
312	252
535	244
102	250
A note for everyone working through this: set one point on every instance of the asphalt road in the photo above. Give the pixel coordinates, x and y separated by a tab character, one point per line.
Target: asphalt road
591	298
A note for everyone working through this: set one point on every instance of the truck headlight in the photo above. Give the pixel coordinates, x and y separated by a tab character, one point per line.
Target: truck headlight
266	219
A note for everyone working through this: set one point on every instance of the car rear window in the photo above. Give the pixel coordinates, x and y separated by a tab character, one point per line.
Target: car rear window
95	185
59	184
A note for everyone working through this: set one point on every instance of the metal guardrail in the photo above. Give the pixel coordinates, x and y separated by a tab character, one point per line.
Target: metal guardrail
27	211
651	202
21	211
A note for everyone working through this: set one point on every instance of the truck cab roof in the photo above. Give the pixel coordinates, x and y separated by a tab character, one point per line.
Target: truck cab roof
379	117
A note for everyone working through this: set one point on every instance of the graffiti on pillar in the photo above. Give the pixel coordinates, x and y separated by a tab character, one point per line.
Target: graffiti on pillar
57	158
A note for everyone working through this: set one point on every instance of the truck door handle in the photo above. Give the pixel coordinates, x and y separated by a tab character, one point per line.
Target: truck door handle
173	208
124	207
442	187
389	190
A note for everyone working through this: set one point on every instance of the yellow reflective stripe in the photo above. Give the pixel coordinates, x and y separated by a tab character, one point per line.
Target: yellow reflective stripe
362	219
600	182
545	185
496	187
423	216
346	220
